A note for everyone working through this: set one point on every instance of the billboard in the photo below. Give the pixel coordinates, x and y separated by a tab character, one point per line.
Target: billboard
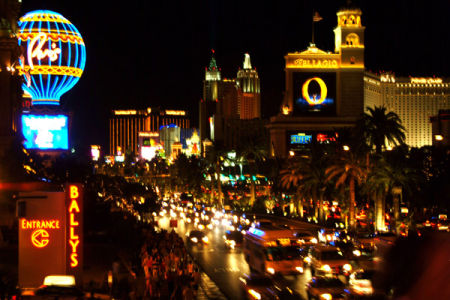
314	94
299	140
45	132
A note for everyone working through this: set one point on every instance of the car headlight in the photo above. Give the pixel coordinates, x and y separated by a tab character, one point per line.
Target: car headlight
326	268
356	253
254	294
299	269
271	270
201	227
314	240
194	239
326	296
307	259
347	267
205	239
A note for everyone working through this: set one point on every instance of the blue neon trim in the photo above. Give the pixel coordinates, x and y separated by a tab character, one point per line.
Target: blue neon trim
54	86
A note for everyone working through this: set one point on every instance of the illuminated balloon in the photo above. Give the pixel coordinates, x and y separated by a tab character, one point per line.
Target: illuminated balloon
54	55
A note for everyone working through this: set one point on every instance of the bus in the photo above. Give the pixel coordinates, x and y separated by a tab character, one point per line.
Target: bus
272	250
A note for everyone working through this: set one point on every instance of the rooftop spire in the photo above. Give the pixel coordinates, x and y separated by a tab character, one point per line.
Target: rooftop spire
212	62
247	63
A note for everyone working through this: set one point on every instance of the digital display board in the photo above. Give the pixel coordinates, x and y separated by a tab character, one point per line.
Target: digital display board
45	132
299	140
314	94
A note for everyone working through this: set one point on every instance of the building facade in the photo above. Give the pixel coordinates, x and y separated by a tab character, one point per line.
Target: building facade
413	99
249	95
324	90
125	125
440	128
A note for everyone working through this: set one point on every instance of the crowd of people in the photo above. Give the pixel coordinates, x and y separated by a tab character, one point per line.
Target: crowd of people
162	269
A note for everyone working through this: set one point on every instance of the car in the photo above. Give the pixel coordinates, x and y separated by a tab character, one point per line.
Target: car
197	237
262	287
328	260
364	239
233	239
360	283
58	287
326	235
325	288
305	238
254	285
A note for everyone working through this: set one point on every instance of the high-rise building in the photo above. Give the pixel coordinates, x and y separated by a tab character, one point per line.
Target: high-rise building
413	99
207	105
125	125
225	101
440	125
324	90
248	87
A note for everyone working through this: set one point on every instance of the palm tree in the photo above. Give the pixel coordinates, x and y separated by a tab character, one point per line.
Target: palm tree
291	177
379	127
348	169
253	152
215	155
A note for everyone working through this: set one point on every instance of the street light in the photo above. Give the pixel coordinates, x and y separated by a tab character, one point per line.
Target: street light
291	153
438	137
346	148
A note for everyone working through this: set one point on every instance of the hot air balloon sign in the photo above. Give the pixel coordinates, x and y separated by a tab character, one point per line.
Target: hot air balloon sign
54	55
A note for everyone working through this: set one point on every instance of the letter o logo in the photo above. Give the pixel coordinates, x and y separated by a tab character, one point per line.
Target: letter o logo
323	91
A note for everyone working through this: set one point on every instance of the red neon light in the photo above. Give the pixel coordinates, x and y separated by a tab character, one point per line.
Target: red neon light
74	239
39	238
39	224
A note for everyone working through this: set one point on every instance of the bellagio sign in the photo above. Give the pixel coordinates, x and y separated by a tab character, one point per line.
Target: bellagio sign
50	234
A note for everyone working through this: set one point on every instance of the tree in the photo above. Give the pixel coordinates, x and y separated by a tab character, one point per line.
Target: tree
347	169
253	152
291	177
379	126
215	155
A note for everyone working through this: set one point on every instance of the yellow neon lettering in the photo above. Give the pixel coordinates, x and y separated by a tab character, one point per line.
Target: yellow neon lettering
72	234
72	220
74	192
37	52
74	205
73	260
23	223
74	245
57	224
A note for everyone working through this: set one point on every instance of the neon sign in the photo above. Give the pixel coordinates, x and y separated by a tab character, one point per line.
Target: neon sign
323	91
316	63
38	224
301	138
37	52
74	212
429	80
40	236
45	132
55	55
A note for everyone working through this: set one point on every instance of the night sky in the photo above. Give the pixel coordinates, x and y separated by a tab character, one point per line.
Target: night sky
143	53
